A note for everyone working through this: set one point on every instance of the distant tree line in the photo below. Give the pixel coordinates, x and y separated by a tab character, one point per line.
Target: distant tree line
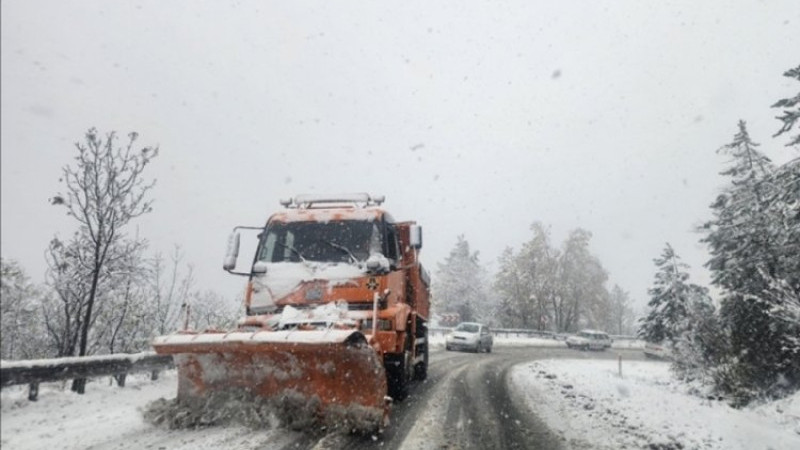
749	347
103	293
540	287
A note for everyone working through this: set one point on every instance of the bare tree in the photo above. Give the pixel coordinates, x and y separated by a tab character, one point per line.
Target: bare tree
123	325
526	281
66	275
544	287
105	190
621	314
582	298
210	310
169	290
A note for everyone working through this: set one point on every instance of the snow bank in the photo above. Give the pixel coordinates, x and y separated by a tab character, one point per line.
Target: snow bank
66	420
591	406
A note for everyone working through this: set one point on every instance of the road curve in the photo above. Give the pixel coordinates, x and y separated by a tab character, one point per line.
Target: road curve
467	403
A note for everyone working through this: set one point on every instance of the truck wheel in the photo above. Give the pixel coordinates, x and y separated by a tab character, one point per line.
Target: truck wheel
399	371
421	369
397	378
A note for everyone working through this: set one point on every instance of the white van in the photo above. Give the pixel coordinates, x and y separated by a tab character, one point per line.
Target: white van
589	340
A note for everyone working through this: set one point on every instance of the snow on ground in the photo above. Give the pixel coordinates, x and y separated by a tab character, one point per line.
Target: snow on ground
107	416
59	417
591	406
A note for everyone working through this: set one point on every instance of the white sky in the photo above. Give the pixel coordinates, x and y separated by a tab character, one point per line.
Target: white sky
471	117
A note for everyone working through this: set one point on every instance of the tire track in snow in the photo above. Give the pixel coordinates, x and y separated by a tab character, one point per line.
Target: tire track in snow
484	411
428	431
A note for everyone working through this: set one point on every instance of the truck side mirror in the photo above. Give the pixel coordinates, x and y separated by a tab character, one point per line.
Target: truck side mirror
232	253
415	236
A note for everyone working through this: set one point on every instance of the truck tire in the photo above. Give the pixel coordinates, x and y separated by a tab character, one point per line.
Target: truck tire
397	377
421	369
399	371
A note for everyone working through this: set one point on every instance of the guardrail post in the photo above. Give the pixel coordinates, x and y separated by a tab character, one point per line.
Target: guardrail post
120	377
33	391
154	375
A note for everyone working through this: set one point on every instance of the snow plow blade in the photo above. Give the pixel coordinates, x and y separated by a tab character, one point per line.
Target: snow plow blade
320	378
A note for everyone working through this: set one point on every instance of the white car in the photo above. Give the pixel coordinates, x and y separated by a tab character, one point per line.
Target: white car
657	350
589	340
471	336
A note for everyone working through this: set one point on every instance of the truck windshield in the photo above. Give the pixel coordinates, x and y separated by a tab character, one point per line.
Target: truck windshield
340	241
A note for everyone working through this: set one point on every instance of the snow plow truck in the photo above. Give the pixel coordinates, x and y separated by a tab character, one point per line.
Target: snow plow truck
337	305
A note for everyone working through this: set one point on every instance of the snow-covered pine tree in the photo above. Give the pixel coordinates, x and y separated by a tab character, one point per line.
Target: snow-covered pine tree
670	299
700	342
790	117
682	317
784	207
747	238
737	235
460	285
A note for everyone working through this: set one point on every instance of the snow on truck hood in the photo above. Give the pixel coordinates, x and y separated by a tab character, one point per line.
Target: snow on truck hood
282	278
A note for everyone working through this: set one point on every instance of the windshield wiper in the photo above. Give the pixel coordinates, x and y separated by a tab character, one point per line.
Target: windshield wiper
294	250
341	247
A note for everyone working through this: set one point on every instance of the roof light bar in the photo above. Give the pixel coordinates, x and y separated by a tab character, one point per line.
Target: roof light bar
308	201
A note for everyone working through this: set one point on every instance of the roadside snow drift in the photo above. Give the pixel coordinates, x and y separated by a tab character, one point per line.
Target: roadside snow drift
591	406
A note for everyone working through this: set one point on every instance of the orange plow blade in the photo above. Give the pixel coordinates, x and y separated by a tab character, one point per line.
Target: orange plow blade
331	377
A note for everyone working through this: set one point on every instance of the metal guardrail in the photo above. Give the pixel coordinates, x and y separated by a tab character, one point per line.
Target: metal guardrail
33	372
529	333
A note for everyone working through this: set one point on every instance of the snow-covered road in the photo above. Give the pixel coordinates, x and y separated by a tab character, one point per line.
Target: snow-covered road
559	398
